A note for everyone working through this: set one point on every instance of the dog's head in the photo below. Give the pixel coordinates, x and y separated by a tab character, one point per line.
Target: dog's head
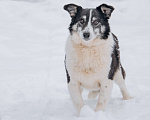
89	26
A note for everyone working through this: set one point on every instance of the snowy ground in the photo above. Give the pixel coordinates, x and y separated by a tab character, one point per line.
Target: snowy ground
32	77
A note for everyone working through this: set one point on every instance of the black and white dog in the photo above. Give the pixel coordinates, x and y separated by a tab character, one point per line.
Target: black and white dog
92	56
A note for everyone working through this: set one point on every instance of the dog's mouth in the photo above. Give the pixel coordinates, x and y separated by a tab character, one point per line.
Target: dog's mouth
86	39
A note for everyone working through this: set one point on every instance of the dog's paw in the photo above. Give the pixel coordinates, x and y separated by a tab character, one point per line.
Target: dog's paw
86	111
128	98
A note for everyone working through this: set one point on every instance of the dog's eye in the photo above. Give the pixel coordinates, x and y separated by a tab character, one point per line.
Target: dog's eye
96	22
81	21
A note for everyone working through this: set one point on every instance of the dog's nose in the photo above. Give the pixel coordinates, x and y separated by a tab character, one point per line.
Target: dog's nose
86	35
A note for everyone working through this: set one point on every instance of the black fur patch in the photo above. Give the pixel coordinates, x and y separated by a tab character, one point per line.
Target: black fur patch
115	59
68	77
123	72
98	13
115	64
75	19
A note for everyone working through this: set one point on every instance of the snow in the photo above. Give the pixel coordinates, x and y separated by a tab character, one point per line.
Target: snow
32	76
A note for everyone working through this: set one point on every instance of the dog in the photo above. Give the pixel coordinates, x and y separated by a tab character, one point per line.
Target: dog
92	59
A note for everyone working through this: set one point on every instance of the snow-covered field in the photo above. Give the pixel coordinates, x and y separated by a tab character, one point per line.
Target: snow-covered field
32	76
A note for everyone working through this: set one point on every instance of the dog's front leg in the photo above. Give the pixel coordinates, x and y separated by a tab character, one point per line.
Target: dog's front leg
104	95
75	93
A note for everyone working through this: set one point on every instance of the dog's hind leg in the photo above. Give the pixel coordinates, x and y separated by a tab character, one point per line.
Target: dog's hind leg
93	94
119	79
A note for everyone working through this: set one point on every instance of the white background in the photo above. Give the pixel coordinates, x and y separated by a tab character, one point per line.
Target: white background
33	83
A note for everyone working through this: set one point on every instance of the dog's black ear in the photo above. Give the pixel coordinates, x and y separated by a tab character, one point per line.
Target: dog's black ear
106	10
72	9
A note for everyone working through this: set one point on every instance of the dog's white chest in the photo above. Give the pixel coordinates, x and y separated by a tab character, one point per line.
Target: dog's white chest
89	59
89	65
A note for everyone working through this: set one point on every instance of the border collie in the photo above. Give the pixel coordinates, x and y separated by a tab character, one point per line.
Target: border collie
92	56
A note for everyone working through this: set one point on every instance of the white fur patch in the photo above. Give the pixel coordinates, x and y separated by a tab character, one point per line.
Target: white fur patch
93	19
84	17
88	65
74	27
103	29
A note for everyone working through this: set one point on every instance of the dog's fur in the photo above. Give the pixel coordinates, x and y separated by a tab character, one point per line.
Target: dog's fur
92	56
